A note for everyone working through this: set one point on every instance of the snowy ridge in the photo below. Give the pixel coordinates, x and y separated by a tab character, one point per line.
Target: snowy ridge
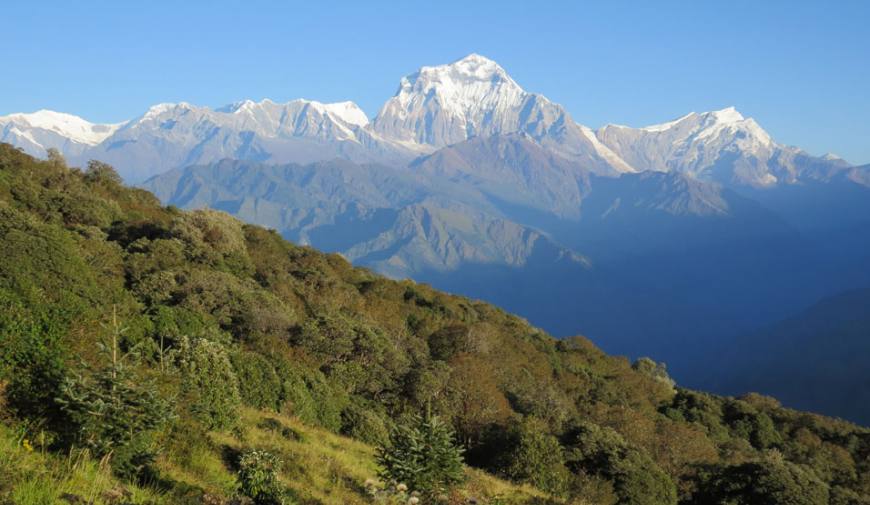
66	125
722	145
434	107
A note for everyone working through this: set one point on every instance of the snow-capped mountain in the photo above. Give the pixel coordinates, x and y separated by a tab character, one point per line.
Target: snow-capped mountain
474	97
434	108
721	145
173	135
42	130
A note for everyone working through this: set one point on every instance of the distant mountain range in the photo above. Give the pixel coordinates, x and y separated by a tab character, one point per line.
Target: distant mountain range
665	240
434	107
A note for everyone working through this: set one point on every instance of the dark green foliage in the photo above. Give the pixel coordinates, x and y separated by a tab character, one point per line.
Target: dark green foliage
311	397
602	452
364	421
209	387
747	422
32	360
771	481
258	477
259	385
538	458
447	342
356	355
99	172
422	455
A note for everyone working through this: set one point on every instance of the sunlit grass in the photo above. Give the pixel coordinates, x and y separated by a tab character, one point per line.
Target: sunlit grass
319	467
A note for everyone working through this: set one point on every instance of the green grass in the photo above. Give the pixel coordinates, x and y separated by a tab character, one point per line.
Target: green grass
319	467
30	476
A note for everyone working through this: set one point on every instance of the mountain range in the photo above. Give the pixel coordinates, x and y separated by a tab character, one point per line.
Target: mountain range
668	240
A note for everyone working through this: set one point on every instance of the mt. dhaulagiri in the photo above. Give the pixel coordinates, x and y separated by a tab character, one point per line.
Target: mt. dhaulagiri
661	240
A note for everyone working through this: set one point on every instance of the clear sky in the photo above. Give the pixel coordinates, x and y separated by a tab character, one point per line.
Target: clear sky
802	69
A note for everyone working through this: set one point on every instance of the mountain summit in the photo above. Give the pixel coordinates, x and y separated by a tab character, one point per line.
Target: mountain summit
446	104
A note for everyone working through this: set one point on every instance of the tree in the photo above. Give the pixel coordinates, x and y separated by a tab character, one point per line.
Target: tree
113	411
54	157
98	171
422	455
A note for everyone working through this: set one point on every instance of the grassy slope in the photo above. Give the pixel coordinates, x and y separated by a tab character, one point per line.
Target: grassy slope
319	467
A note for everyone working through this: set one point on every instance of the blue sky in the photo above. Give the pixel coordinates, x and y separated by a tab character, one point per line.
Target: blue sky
802	69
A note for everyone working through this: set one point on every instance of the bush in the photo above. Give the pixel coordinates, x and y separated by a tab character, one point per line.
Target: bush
309	396
538	459
258	477
769	481
259	385
602	452
364	422
32	359
209	385
656	371
422	455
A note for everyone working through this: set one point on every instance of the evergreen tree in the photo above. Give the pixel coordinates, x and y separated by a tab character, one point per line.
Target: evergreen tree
113	411
422	455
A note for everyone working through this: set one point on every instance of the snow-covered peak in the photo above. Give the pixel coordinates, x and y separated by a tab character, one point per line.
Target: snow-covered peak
695	144
728	115
470	68
663	126
444	104
348	112
468	83
162	108
722	125
66	125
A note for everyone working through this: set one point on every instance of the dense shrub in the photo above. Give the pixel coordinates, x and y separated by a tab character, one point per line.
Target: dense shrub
656	371
768	481
637	480
259	385
32	360
209	386
538	458
311	397
364	421
258	477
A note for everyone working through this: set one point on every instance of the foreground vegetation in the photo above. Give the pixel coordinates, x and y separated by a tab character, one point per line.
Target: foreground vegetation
151	355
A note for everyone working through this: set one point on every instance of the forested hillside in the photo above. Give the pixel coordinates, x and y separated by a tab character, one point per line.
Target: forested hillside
200	360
